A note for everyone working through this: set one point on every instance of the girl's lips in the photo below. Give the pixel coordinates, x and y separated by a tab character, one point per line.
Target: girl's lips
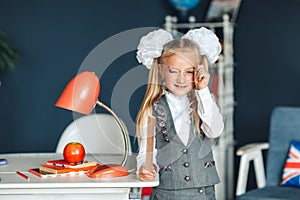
180	86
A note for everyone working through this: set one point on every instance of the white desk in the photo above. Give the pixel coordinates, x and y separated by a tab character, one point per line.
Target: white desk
13	186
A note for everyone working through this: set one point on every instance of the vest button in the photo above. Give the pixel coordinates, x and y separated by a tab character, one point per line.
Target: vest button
184	151
187	178
186	164
201	190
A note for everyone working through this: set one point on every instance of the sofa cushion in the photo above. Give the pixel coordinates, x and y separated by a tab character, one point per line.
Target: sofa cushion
271	192
291	170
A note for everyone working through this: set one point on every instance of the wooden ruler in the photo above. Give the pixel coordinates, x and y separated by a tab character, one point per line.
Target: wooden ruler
150	141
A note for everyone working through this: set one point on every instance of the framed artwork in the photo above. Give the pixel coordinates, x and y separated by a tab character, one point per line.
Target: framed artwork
217	8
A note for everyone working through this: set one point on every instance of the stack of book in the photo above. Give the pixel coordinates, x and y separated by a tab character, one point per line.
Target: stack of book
55	168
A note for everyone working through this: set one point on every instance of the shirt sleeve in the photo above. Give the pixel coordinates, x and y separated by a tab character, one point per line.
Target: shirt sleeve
209	112
141	157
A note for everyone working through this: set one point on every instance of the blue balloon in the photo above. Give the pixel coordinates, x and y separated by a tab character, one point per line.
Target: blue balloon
184	5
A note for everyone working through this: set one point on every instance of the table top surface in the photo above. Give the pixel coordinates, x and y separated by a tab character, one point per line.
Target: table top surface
24	161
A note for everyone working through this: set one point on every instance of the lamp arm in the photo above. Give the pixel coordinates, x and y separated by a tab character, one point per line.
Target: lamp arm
123	129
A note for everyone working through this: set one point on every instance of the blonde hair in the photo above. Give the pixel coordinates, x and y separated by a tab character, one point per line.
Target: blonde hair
155	86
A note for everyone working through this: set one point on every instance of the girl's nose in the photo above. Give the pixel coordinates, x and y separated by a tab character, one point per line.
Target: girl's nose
180	78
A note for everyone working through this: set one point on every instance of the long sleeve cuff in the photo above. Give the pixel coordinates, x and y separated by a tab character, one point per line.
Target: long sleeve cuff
209	112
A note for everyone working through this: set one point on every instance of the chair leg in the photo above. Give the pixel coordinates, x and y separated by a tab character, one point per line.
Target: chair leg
243	175
259	170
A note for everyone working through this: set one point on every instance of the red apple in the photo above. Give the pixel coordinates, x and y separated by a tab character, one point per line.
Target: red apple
74	152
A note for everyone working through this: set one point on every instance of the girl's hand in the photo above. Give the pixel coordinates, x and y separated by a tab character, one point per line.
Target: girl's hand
201	77
146	175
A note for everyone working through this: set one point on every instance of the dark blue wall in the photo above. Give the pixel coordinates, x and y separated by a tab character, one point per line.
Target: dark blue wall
55	38
268	64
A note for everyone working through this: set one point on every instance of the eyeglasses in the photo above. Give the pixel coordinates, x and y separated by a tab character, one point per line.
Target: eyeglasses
174	73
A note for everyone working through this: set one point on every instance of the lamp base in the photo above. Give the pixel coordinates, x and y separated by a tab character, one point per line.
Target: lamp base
108	171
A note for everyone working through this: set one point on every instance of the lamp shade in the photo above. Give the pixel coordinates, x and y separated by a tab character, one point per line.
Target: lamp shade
81	93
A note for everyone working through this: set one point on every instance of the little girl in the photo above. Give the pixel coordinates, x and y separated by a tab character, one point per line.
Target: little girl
188	121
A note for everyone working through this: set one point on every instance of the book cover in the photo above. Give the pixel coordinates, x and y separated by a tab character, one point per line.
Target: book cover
63	163
42	174
59	170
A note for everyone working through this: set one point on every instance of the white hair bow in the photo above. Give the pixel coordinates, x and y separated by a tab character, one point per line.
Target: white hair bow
151	45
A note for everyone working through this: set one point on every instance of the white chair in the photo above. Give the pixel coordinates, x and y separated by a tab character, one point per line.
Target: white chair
98	133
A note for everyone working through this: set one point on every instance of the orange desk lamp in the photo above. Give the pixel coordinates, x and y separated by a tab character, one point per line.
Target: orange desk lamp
81	95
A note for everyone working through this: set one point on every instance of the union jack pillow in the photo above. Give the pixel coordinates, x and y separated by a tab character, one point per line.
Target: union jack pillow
291	170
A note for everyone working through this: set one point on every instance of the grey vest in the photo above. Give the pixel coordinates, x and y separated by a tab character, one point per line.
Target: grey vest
181	166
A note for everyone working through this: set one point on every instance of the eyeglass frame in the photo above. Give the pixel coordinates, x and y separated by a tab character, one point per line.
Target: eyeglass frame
187	73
